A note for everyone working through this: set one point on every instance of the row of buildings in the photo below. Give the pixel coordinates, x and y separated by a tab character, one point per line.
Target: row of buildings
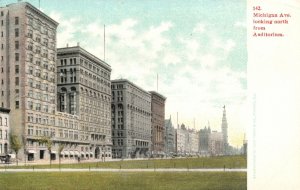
67	95
185	141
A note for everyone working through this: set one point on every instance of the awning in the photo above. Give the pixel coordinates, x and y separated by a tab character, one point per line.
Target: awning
91	153
65	152
53	152
76	153
82	153
31	151
72	152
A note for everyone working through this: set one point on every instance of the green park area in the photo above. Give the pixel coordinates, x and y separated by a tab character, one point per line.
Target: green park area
125	180
202	162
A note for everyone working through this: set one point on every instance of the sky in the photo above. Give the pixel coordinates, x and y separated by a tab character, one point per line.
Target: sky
197	48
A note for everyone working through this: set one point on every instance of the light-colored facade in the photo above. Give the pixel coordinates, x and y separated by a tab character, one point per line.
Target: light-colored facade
4	131
158	123
193	142
83	90
181	140
169	137
216	143
131	120
28	64
204	140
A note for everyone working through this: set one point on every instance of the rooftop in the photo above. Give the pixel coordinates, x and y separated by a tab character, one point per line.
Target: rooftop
83	52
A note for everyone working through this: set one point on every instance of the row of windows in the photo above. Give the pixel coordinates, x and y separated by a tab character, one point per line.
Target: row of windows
42	52
42	86
38	25
38	38
40	119
95	85
43	75
43	64
95	69
118	142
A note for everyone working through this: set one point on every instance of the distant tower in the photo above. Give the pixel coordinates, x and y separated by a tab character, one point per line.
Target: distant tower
224	131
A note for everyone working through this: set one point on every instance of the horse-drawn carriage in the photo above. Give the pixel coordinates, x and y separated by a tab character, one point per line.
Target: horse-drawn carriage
5	158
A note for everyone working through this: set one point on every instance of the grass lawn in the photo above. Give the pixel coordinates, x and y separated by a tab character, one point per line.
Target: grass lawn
130	181
205	162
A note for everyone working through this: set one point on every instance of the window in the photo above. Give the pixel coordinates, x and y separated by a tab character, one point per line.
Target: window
45	41
38	73
30	130
30	46
38	50
30	93
38	38
17	104
17	81
31	70
38	85
16	20
30	21
17	57
17	32
16	44
30	33
17	69
30	105
30	82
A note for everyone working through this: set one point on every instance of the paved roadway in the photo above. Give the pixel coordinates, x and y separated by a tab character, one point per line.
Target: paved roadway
124	170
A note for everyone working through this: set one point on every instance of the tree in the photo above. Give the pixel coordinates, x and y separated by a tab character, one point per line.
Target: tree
60	149
48	142
15	144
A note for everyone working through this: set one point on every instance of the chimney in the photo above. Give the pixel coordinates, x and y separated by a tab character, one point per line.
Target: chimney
67	45
78	44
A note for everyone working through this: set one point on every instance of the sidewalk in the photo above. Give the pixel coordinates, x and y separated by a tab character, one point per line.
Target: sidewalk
124	170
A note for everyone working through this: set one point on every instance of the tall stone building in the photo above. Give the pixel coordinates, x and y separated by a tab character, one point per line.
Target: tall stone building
158	123
224	132
193	142
169	137
204	140
131	120
83	90
181	140
4	130
216	143
27	66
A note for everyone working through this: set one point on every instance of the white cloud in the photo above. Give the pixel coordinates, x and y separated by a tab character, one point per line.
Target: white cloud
240	24
199	28
66	30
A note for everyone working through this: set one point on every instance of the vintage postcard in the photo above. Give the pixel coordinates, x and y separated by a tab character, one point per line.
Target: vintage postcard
127	94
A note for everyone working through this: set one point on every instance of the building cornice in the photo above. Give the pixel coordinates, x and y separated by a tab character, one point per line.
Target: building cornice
79	50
